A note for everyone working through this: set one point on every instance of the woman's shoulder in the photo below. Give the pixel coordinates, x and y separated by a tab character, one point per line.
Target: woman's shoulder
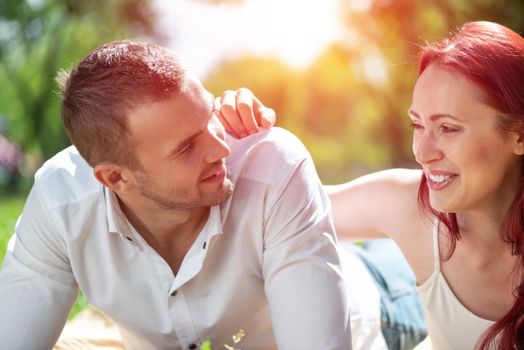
400	189
383	203
413	229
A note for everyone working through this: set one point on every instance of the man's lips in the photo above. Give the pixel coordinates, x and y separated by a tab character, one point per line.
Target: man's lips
217	175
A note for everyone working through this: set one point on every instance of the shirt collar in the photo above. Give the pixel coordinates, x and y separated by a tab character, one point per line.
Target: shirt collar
213	225
118	223
116	220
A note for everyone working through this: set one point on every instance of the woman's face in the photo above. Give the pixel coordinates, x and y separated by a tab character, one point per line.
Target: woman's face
468	162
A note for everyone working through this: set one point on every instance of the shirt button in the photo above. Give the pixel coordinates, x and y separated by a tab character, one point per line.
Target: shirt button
192	346
174	293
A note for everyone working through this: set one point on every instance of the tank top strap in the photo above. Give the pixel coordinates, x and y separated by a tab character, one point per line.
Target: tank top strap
436	250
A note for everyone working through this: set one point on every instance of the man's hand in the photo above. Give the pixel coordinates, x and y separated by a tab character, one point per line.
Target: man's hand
242	113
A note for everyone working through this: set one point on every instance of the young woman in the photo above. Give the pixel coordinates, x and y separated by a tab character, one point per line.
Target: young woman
459	221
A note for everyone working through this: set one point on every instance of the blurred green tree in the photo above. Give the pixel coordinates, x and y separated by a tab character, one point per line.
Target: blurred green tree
39	37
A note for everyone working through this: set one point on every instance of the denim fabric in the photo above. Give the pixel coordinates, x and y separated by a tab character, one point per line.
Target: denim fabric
403	324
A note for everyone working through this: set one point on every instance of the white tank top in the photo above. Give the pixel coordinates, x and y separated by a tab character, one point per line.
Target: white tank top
451	326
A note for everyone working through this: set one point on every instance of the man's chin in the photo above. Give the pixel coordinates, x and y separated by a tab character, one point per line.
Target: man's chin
220	196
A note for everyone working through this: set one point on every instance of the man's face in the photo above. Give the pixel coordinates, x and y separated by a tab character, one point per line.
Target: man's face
180	146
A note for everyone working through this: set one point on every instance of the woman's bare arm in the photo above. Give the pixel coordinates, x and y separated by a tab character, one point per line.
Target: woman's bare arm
376	205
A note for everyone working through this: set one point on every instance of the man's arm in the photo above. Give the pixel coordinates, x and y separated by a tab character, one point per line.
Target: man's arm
301	266
37	288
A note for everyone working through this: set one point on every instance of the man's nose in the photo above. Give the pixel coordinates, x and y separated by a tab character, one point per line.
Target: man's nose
218	148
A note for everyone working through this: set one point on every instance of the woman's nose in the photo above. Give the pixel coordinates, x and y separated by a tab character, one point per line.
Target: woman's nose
426	149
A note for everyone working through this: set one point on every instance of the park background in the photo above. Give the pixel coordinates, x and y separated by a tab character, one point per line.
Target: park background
339	73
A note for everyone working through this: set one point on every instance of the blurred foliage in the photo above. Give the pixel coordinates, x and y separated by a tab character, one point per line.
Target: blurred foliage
39	37
349	107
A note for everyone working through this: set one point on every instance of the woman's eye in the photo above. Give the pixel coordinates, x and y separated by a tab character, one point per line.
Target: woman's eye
448	128
415	125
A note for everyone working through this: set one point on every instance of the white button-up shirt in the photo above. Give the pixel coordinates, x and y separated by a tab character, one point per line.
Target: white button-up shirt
265	261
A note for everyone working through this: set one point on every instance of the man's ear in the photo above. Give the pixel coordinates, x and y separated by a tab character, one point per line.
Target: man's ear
112	176
518	148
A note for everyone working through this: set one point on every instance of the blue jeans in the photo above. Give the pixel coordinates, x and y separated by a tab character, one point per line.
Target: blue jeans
403	324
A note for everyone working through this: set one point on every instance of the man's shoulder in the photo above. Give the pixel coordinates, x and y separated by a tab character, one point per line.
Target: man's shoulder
262	166
273	148
66	177
282	142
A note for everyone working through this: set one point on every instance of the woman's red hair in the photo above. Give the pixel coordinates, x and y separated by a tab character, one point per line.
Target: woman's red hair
491	56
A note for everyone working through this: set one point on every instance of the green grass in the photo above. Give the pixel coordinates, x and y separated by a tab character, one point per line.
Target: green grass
10	208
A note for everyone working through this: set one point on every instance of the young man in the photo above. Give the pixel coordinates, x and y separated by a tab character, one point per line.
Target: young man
171	229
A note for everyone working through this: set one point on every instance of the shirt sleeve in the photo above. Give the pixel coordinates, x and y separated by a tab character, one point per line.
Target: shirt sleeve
301	266
37	288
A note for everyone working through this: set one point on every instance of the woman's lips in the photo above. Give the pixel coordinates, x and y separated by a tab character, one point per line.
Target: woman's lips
440	181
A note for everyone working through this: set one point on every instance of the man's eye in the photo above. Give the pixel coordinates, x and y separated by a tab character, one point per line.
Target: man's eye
184	151
187	149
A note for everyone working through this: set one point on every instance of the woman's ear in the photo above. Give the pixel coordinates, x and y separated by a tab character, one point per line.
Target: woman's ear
518	148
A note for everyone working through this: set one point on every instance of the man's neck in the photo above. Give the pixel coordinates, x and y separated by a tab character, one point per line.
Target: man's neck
163	229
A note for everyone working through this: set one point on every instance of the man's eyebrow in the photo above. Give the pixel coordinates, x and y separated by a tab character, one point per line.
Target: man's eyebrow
433	117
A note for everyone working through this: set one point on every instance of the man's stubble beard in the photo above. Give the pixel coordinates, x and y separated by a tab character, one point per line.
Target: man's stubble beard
180	201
